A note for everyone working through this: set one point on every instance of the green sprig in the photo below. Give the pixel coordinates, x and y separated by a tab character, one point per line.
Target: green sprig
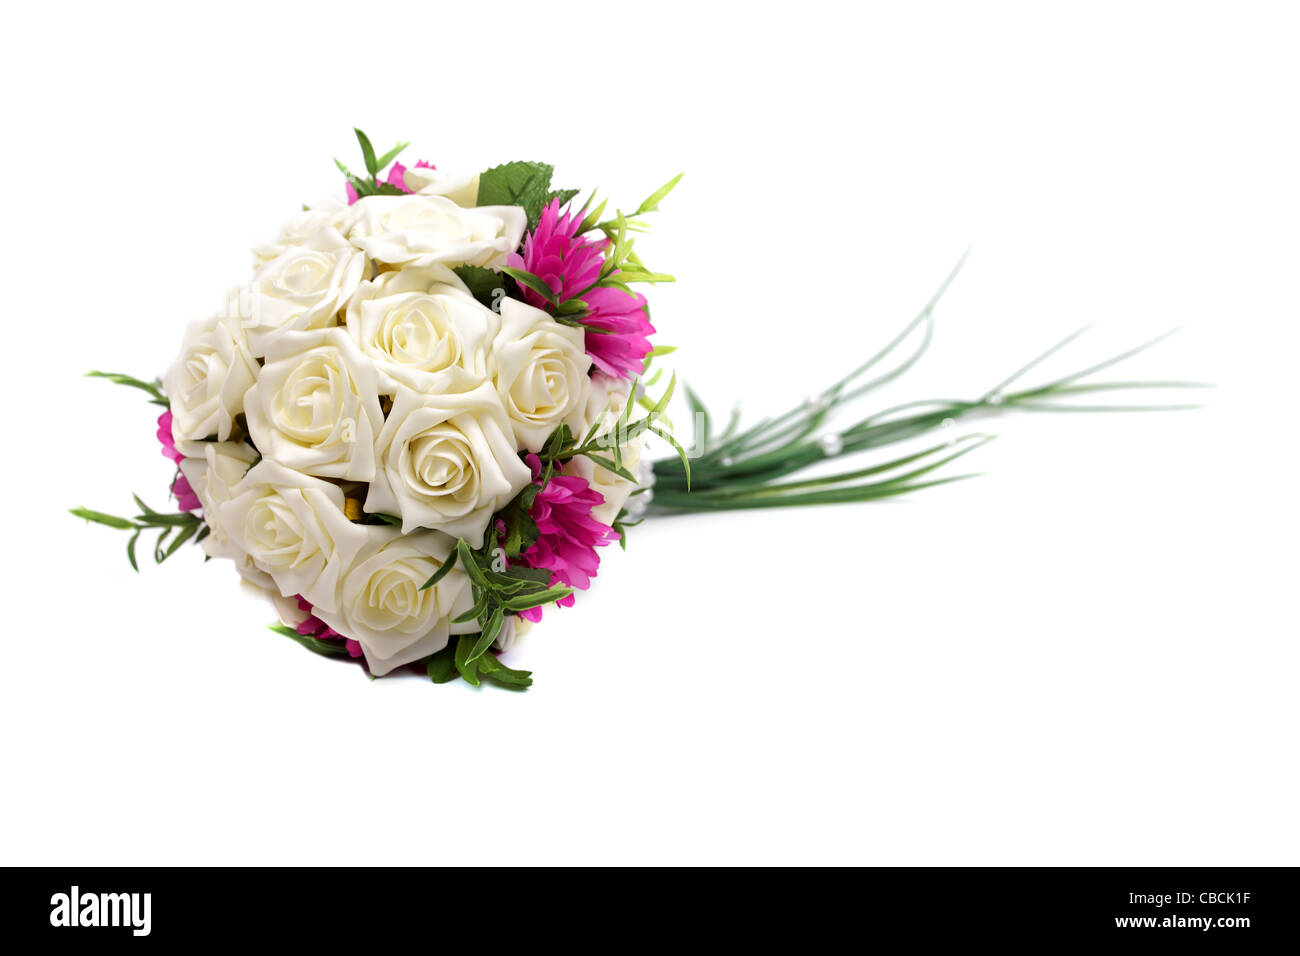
744	469
184	525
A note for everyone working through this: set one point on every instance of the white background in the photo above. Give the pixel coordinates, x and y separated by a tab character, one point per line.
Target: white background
1087	656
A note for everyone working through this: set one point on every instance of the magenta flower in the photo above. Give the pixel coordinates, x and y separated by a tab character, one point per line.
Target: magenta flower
619	352
181	490
185	497
313	626
570	265
165	436
568	535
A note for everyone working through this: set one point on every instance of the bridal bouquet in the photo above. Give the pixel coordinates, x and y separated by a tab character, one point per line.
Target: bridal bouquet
418	420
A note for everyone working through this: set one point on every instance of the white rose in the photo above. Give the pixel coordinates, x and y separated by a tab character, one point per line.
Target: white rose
214	475
382	607
427	230
607	400
462	190
315	407
293	528
423	329
540	371
304	287
207	382
447	462
330	214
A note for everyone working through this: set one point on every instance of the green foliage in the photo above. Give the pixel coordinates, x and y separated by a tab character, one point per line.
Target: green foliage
520	529
153	389
563	195
174	529
313	644
484	284
605	448
370	185
457	660
745	469
517	184
441	667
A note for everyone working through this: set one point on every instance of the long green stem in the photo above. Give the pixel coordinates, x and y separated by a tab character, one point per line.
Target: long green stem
744	470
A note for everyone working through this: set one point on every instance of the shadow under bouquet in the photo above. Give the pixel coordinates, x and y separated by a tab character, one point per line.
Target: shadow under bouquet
415	425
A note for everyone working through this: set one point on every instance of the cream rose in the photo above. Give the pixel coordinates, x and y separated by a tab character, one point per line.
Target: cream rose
294	529
447	462
605	404
214	474
423	329
462	190
207	382
304	287
382	607
330	214
539	368
431	230
315	407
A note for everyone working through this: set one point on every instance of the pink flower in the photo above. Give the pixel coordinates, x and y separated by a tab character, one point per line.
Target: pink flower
570	265
185	497
566	262
165	436
181	490
568	535
620	352
313	626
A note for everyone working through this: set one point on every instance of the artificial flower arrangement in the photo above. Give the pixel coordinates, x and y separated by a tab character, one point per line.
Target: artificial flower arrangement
415	425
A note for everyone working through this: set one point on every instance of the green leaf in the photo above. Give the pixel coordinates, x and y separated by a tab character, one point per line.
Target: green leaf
473	614
558	441
492	668
315	644
534	575
178	520
130	549
681	452
610	466
441	667
517	184
536	599
484	284
386	519
99	517
489	634
363	187
468	670
536	283
592	218
652	201
153	388
470	563
444	569
162	539
383	161
367	152
179	540
563	195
